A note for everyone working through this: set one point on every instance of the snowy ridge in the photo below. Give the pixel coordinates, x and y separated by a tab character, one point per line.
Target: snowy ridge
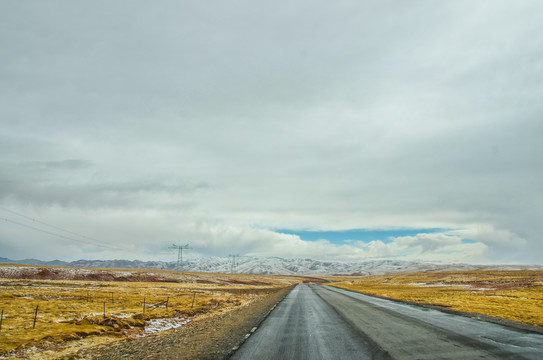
282	266
276	266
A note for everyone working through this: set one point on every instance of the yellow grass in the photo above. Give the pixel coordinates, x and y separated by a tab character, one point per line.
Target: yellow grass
514	295
70	311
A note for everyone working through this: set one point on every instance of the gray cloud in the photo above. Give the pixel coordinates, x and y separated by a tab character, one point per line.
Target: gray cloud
250	116
67	183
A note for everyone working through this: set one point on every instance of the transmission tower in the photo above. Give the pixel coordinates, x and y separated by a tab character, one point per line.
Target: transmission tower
233	265
179	265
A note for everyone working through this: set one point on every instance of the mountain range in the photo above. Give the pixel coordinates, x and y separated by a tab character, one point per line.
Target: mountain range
274	265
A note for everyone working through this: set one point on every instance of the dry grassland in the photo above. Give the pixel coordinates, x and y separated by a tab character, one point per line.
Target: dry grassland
71	312
514	295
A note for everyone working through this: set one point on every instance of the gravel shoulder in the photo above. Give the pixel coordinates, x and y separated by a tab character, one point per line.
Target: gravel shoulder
210	337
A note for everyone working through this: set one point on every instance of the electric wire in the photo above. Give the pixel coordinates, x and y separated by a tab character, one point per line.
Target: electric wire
93	241
59	235
54	227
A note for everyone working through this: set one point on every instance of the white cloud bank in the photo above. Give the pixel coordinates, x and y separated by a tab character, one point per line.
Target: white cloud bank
148	234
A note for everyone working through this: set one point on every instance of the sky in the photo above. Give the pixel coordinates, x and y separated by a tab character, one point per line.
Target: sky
344	130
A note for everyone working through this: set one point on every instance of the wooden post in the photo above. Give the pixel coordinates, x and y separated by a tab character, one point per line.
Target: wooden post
193	297
87	295
167	300
35	316
104	309
1	318
112	298
143	306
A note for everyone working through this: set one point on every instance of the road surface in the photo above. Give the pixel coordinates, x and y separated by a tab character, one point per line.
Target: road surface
321	322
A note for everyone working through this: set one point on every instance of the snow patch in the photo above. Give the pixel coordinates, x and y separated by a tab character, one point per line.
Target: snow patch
123	316
157	325
439	284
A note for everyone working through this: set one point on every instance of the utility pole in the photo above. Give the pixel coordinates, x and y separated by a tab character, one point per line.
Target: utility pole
179	265
233	265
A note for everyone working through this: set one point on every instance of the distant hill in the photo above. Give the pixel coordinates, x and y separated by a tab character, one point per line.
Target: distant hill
274	265
119	264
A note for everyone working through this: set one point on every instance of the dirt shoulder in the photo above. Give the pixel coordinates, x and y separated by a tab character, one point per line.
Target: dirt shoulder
212	337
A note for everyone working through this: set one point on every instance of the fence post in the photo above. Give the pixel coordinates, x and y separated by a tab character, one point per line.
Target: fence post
167	300
1	319
104	309
143	306
193	297
35	316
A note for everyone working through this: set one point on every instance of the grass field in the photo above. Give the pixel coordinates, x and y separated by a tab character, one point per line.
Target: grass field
514	295
84	307
71	313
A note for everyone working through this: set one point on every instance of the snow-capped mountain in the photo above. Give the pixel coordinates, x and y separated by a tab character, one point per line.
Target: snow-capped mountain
282	266
274	265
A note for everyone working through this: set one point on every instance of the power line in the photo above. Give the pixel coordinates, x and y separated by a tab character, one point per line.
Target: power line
58	235
179	265
233	266
55	227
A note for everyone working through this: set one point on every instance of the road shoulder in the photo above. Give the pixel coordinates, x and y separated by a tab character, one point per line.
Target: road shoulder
211	338
492	319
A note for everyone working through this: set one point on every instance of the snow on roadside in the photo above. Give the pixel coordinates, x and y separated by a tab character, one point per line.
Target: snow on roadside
157	325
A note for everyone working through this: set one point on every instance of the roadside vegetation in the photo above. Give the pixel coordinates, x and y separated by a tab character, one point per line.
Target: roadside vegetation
514	295
52	312
46	313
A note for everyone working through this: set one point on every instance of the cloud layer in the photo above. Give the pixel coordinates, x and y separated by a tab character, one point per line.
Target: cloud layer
215	123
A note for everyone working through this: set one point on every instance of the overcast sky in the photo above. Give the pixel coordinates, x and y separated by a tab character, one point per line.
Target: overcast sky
273	129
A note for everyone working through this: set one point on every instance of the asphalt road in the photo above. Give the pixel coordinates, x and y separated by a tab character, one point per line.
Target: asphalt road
320	322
